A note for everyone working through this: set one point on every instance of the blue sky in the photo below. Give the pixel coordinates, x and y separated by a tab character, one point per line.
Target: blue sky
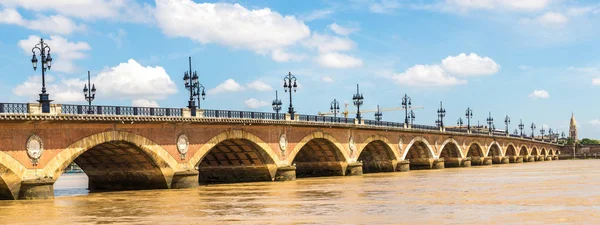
534	60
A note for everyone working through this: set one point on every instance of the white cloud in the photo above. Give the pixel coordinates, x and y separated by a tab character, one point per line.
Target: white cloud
260	30
56	24
327	79
596	81
317	14
281	55
128	80
549	20
228	86
328	43
338	61
122	10
345	31
469	65
514	5
539	94
595	122
253	103
383	6
426	76
144	103
63	51
259	86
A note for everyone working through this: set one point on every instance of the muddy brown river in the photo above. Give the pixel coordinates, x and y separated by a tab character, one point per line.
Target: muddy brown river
557	192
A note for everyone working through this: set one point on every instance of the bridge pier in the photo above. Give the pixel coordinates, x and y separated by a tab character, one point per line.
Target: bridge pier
548	158
457	162
37	189
185	179
403	166
555	157
515	159
426	164
438	164
530	158
481	161
500	160
539	158
285	173
354	169
379	166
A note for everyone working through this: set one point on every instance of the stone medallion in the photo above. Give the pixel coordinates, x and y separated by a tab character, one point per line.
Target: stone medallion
182	145
351	145
283	144
35	148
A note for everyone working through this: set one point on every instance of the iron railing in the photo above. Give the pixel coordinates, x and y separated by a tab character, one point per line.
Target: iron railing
425	127
383	123
14	108
456	129
211	113
120	110
326	119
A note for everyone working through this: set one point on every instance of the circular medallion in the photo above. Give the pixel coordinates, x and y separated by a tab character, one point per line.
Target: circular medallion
35	148
282	143
182	145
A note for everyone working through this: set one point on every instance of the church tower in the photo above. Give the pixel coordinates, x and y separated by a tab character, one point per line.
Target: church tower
573	128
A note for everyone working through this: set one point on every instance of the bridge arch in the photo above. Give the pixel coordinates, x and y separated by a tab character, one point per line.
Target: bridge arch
11	175
523	151
235	156
319	154
544	152
377	155
510	150
117	160
494	150
425	150
534	151
451	148
475	149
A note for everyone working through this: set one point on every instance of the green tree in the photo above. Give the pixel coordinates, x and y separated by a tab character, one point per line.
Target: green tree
587	141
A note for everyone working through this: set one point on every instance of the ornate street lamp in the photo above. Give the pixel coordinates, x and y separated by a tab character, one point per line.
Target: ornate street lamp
406	103
542	131
469	115
191	83
521	127
506	122
42	47
358	101
89	93
441	114
335	107
289	83
378	114
533	130
550	134
412	117
490	122
276	104
200	89
459	122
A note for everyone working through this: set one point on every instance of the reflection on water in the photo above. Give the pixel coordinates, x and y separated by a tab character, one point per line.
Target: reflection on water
557	192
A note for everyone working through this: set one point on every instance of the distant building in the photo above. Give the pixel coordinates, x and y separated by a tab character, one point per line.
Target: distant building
573	128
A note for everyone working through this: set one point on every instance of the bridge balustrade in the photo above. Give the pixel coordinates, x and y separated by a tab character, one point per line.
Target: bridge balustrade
120	110
211	113
460	130
383	123
327	119
425	127
14	108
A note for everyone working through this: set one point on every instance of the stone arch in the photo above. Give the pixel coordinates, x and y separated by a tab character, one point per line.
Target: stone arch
456	149
377	155
475	150
523	151
495	149
425	152
511	150
319	154
534	151
235	156
117	160
11	175
543	152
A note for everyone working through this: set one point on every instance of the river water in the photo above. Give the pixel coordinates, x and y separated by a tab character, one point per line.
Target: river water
557	192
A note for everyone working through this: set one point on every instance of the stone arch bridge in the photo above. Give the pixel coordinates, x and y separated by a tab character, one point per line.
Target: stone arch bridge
171	149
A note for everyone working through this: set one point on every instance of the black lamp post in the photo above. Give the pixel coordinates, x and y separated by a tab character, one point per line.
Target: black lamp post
441	114
89	93
200	89
412	117
289	83
42	47
542	131
533	130
459	123
490	122
507	122
378	114
276	104
191	83
521	127
406	103
358	101
469	115
550	134
335	107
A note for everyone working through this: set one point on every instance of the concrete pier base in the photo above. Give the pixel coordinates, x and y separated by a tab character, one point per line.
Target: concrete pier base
37	189
185	179
285	173
354	169
403	166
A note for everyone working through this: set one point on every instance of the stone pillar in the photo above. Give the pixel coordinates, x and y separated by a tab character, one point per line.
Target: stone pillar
438	164
539	158
476	161
505	160
354	169
530	158
466	162
487	161
403	166
555	157
497	159
518	159
185	179
37	189
285	173
548	158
